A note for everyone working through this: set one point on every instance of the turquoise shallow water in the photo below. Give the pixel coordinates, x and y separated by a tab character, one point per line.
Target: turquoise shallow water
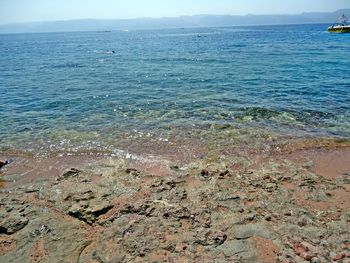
92	90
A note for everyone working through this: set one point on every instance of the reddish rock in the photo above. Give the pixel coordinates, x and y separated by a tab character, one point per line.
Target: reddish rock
7	244
338	257
302	251
266	249
38	252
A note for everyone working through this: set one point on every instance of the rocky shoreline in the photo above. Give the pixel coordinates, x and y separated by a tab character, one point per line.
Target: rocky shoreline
275	210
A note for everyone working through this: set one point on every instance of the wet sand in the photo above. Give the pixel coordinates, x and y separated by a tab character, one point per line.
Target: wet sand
325	157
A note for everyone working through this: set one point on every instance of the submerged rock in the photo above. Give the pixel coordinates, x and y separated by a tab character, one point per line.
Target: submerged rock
73	172
3	163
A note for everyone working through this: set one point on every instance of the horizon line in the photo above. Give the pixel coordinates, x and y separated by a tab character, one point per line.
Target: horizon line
146	29
165	17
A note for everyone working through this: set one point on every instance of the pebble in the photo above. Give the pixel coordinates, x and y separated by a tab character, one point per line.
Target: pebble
338	257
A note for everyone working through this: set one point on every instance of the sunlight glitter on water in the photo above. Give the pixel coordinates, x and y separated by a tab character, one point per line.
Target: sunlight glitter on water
89	91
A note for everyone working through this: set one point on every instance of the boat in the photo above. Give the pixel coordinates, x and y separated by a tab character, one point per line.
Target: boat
341	26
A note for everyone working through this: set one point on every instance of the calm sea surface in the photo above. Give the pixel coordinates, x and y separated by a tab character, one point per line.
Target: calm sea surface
92	91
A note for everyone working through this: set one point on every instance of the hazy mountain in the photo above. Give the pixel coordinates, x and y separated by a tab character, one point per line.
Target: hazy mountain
177	22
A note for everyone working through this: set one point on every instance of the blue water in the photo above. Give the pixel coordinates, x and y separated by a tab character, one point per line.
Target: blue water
94	89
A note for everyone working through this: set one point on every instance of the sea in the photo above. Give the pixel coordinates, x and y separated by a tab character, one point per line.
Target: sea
140	91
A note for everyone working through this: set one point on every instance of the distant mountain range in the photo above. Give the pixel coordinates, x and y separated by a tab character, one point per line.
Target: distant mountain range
176	22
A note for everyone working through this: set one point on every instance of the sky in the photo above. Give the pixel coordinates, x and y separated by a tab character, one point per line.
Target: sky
18	11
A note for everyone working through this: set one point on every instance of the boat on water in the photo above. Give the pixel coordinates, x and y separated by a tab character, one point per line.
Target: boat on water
341	26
